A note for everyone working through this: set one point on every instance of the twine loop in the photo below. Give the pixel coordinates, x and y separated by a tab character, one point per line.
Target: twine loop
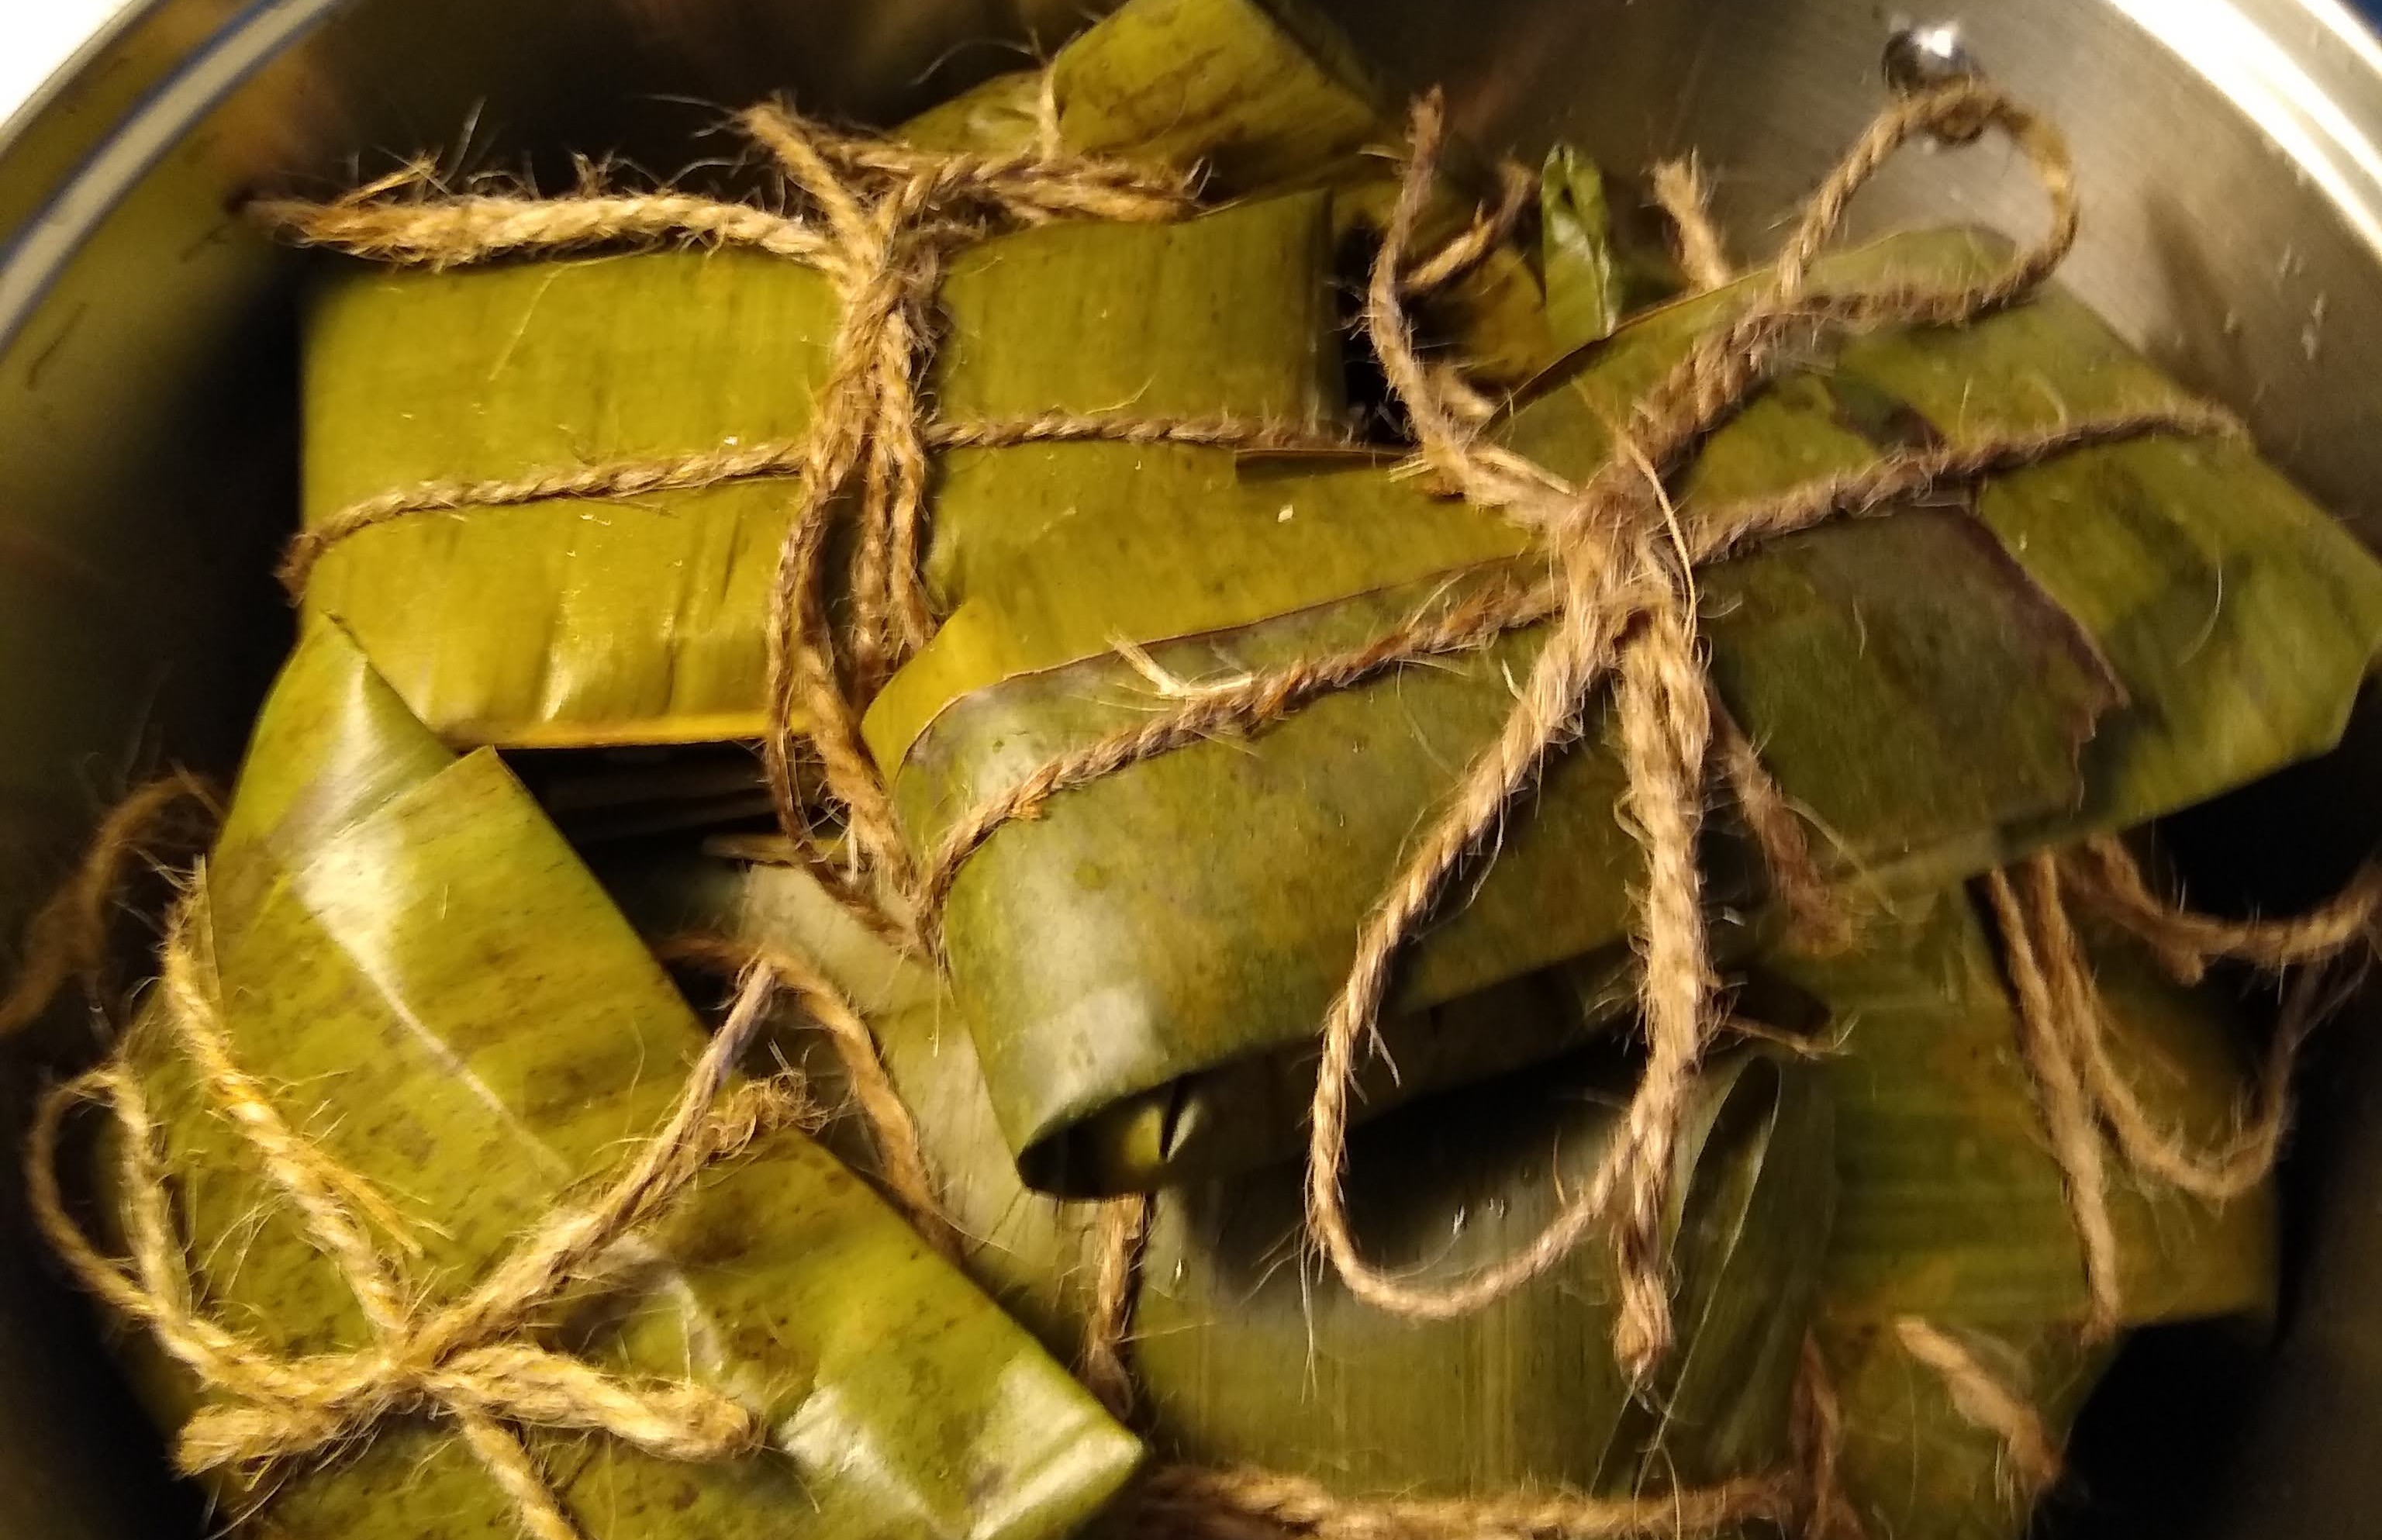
476	1360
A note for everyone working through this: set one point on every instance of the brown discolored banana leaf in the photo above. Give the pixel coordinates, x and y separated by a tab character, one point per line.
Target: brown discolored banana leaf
580	622
1258	95
1939	690
1248	1357
1951	1209
443	997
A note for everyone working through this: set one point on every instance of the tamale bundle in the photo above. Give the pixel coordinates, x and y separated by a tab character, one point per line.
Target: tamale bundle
1923	1145
1219	625
1241	1357
2027	692
463	1025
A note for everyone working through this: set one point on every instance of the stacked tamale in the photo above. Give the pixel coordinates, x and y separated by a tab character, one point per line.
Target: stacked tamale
509	761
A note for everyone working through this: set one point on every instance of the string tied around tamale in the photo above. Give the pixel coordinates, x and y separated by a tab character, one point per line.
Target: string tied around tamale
1622	566
2063	1027
476	1360
884	217
1621	603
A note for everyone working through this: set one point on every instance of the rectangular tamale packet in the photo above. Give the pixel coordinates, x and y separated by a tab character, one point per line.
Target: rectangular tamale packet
441	995
1941	690
1257	96
1948	1208
578	622
1953	1212
1245	1357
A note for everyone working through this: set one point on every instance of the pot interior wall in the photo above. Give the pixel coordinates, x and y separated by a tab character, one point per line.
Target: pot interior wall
147	408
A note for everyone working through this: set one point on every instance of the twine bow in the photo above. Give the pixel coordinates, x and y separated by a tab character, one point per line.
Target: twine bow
474	1361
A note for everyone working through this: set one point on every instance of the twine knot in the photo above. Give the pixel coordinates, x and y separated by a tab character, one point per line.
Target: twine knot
476	1360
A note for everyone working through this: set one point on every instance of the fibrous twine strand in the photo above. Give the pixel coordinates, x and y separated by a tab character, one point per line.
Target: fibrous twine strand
2063	1029
1626	615
901	1155
1985	1401
1189	1501
473	1361
67	938
766	460
1680	193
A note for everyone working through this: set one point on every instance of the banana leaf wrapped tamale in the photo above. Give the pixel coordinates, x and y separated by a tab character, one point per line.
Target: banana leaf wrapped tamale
2110	635
570	622
1244	1358
458	1015
1257	95
1952	1209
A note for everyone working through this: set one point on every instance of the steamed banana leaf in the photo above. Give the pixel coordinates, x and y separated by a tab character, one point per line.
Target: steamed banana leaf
578	622
1258	95
1597	270
1941	690
1587	292
448	1001
1248	1357
1951	1209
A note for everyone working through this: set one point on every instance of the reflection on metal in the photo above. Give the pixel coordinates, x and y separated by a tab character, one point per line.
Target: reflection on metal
161	119
1929	55
2248	60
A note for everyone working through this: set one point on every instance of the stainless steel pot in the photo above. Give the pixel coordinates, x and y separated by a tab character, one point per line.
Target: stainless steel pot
2232	159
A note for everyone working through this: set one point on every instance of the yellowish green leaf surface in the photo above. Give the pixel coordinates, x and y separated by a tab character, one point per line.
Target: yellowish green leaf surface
1248	1357
1257	95
572	621
1951	1209
1195	911
1587	292
443	996
1911	1464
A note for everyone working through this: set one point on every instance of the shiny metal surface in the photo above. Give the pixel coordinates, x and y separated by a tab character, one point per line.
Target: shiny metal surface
2231	151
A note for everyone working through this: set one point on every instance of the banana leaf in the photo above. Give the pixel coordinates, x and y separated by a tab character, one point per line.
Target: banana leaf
448	1001
1951	1207
1195	912
577	621
1595	276
1258	95
1247	1357
1586	297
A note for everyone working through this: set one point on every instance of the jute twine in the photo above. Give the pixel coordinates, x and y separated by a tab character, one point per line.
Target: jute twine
2063	1027
882	221
476	1360
1619	608
1619	605
67	937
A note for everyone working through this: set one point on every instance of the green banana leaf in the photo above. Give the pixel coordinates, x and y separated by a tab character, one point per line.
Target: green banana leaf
1245	1356
1951	1209
1587	292
1258	95
1194	913
576	621
1600	264
1911	1464
445	999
